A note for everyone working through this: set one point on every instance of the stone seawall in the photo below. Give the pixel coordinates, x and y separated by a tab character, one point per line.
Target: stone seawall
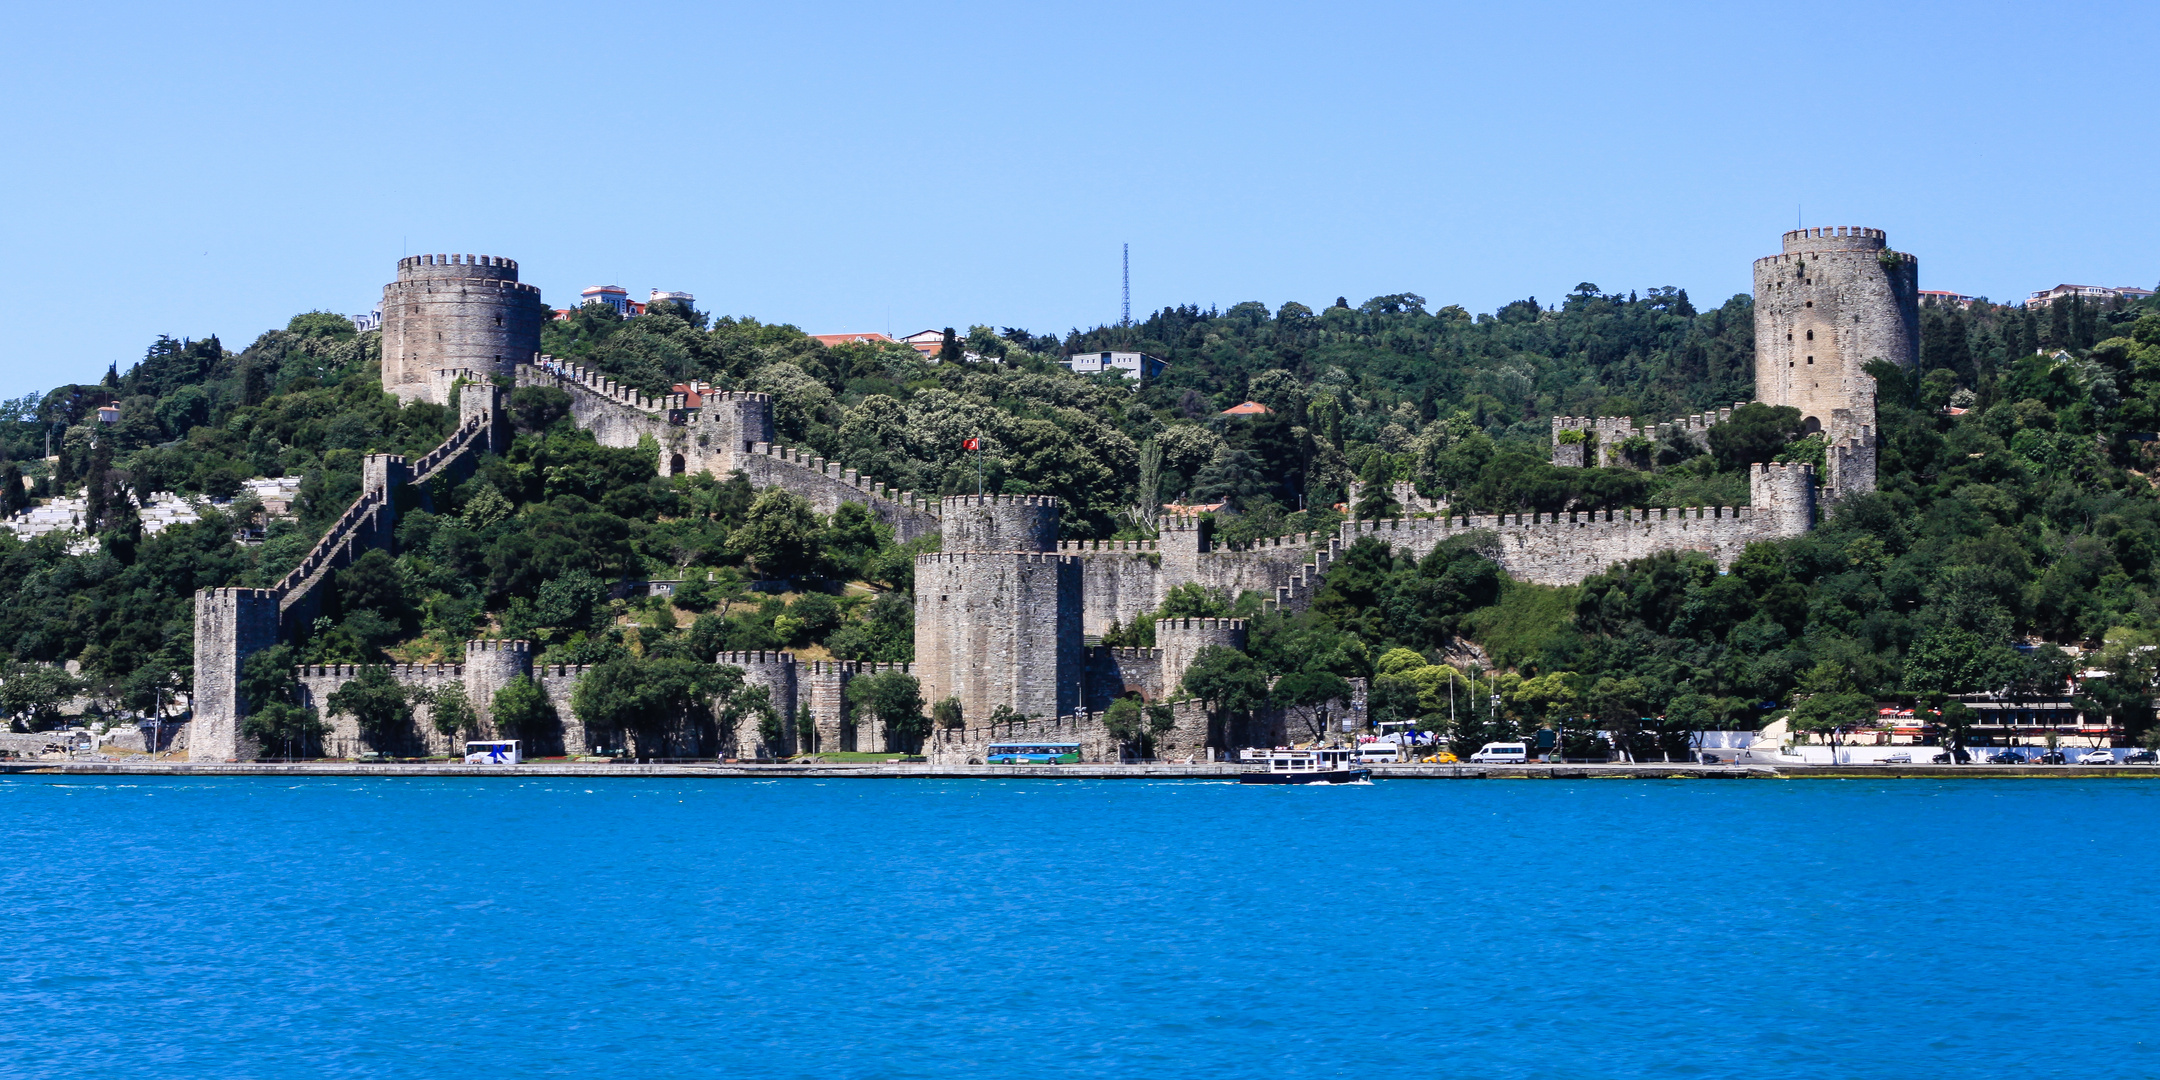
966	745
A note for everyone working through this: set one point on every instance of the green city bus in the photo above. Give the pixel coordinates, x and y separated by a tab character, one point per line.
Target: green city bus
1009	753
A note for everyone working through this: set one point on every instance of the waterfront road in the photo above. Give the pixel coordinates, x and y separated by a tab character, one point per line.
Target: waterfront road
1105	771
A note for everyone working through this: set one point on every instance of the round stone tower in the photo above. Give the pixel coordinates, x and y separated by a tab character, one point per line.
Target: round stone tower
1000	522
448	312
489	666
1834	300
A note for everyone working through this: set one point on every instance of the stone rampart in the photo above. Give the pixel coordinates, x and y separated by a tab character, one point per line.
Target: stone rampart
1182	639
1563	549
724	433
1114	672
1123	579
1606	434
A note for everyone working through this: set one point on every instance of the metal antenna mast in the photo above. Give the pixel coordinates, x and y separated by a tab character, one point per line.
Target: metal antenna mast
1126	318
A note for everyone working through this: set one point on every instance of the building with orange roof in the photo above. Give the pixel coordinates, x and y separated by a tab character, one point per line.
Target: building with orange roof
830	340
1250	408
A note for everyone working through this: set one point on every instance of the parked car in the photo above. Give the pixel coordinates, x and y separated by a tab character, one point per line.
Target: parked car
2054	757
2007	757
2142	757
1943	758
2096	757
1898	759
1444	757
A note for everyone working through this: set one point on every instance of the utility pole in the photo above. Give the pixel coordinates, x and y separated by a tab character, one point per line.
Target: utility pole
1125	319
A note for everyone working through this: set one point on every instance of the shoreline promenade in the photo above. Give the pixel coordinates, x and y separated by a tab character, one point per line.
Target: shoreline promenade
1218	771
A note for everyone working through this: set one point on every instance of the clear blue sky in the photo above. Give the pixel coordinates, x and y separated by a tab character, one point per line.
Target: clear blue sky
215	168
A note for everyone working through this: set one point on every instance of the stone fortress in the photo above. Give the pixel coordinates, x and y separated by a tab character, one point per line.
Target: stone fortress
1005	611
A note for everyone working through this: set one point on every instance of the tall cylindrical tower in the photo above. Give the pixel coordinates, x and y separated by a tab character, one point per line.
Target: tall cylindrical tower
455	311
1000	522
1835	299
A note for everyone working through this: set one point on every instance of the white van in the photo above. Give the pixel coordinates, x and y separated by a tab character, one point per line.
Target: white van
1503	753
1380	752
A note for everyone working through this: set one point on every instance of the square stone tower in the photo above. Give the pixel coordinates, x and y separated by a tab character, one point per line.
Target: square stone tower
997	613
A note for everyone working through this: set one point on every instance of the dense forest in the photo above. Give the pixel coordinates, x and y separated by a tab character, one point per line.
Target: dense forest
2015	506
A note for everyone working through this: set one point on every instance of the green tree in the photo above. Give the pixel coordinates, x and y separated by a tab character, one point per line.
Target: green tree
521	710
33	693
777	535
1230	685
450	713
379	704
1137	724
1376	490
895	698
645	698
1306	698
946	714
1755	433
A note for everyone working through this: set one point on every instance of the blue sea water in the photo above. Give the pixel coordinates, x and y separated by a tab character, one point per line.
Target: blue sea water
256	927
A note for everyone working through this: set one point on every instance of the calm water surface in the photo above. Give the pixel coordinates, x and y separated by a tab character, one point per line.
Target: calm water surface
657	928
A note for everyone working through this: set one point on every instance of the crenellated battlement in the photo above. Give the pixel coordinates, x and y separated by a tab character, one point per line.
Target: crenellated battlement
408	674
1608	432
1836	238
506	646
1195	624
1107	547
237	594
754	657
474	265
959	501
1002	558
1000	522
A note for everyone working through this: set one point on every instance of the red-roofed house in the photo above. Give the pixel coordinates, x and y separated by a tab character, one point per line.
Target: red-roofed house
1250	408
830	340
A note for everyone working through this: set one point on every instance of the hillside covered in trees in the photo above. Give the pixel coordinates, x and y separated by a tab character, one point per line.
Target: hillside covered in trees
2015	503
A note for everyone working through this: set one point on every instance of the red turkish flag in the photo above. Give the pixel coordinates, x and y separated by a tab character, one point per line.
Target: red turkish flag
972	444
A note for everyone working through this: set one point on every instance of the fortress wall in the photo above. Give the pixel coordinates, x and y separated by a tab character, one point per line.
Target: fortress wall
1118	582
1124	579
730	431
1608	432
1183	639
319	681
558	682
826	485
1563	549
598	405
959	746
1115	672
